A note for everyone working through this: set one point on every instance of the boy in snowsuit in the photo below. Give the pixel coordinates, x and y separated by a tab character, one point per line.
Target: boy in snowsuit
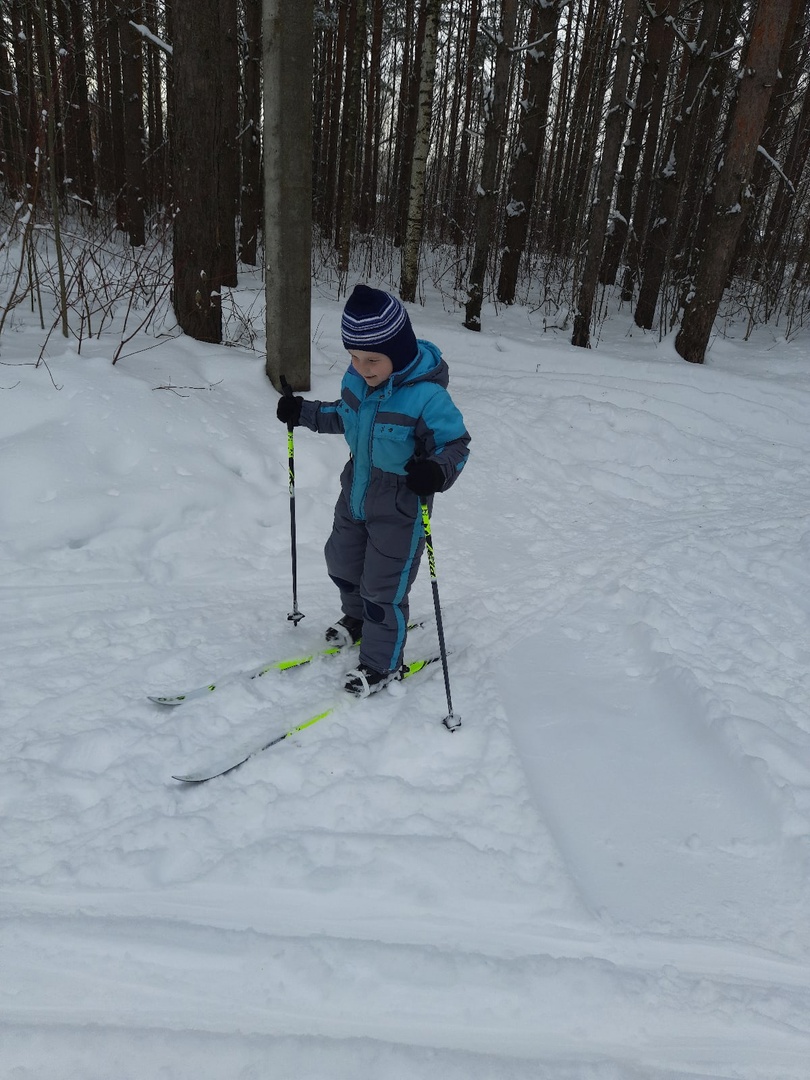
407	441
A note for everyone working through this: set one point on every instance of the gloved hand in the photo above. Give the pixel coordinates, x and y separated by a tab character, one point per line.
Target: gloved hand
288	410
424	477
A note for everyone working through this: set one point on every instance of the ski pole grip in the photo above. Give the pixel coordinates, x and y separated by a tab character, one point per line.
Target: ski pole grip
287	391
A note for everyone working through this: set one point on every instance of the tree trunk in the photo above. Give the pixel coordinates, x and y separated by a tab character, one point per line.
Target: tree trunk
556	149
669	87
583	128
460	203
695	209
408	107
453	96
776	242
495	117
103	119
168	18
49	98
65	79
22	44
327	192
777	123
371	148
534	108
416	195
447	110
117	121
287	47
434	220
156	165
53	91
758	77
198	146
646	117
82	126
600	210
322	64
672	176
228	72
132	79
12	164
251	208
356	40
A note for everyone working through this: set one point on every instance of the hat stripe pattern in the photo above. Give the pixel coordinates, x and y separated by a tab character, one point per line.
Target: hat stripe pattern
374	329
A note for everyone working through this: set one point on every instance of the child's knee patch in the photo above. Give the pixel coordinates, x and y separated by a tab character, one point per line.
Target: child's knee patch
373	611
343	585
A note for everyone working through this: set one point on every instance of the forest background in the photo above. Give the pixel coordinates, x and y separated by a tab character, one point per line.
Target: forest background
570	156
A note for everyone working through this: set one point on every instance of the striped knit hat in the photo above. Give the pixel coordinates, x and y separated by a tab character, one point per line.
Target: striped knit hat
374	321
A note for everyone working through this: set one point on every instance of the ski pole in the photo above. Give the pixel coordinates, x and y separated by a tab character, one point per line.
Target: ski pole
295	616
452	720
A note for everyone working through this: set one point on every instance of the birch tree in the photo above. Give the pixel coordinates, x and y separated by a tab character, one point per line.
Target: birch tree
416	193
408	110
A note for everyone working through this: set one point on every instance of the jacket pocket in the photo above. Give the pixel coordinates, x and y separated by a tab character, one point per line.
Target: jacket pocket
393	445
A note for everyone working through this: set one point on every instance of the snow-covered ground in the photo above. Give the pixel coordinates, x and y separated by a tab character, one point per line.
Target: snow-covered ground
603	875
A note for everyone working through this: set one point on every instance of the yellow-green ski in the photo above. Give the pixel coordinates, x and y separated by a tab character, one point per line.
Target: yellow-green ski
220	770
254	673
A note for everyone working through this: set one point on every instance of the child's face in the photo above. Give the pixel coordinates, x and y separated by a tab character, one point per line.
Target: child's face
374	367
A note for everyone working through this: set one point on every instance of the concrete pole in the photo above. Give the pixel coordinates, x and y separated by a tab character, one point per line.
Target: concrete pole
287	27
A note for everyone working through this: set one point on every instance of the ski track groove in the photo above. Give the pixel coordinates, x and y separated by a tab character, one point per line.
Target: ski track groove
150	975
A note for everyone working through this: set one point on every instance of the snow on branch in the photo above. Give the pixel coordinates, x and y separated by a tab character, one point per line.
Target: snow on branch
145	32
775	165
532	46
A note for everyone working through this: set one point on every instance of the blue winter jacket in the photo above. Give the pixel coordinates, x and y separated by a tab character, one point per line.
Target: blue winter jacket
410	415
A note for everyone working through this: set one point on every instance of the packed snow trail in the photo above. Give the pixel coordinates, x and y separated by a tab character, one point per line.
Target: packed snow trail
637	788
163	979
603	875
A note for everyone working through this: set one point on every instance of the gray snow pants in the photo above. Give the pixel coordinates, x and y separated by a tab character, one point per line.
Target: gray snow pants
374	563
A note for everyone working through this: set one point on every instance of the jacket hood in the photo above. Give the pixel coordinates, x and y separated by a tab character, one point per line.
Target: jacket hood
428	366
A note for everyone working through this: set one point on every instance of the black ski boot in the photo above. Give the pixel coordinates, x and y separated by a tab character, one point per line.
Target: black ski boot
363	680
346	631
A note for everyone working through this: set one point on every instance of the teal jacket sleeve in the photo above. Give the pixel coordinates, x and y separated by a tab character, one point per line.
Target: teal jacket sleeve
441	435
322	416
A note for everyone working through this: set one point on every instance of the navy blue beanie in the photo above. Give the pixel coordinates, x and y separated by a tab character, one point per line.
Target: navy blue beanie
375	321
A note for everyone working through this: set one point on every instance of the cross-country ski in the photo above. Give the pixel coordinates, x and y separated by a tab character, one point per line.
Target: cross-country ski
199	776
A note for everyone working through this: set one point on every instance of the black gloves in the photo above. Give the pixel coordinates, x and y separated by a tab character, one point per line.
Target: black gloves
288	410
424	477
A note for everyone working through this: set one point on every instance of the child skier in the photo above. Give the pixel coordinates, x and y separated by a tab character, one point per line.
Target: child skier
407	441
